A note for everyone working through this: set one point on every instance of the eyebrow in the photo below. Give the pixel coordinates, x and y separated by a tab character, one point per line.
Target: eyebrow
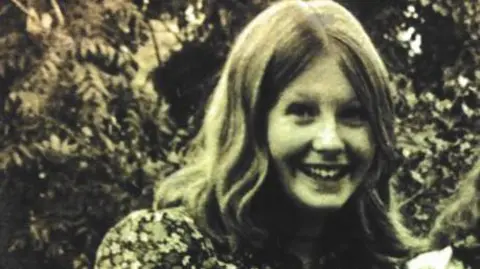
307	96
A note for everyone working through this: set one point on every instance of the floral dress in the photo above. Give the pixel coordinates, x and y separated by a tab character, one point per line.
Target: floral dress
164	239
169	239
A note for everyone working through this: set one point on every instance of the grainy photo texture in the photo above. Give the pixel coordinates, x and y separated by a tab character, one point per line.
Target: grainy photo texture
296	134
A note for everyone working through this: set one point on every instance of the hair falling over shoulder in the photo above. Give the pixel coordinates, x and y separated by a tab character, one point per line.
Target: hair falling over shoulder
461	214
229	162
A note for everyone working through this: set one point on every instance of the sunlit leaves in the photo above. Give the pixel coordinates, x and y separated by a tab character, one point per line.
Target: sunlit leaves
437	105
26	104
79	141
91	88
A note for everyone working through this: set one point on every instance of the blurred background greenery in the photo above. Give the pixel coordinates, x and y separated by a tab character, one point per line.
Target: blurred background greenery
98	99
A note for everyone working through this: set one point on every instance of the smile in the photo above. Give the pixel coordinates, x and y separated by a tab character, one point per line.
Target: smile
325	173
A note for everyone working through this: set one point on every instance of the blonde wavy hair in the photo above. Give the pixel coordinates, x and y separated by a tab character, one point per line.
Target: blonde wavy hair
225	186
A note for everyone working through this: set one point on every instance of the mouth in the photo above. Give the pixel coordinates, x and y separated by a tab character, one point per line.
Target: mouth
330	173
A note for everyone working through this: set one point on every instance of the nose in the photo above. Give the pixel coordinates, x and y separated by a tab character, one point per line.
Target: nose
327	141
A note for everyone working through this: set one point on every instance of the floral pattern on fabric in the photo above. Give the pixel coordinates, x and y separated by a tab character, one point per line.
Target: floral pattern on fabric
162	239
169	239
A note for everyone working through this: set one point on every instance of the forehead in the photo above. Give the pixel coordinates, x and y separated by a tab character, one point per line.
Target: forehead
322	79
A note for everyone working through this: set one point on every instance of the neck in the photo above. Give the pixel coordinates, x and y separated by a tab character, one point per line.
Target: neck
303	233
309	223
304	240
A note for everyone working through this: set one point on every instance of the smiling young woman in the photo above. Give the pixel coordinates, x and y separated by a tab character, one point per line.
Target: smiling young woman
319	138
291	166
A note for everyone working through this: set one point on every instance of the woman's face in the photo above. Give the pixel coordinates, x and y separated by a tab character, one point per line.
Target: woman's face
319	138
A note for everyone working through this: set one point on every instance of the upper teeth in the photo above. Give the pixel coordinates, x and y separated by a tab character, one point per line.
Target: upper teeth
323	172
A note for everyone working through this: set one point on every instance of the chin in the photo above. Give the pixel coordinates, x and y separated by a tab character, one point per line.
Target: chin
321	204
329	199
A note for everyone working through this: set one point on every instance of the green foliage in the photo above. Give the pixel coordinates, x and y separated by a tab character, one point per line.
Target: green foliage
438	123
90	117
80	145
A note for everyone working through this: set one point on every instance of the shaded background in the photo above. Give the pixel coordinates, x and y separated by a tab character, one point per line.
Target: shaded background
98	98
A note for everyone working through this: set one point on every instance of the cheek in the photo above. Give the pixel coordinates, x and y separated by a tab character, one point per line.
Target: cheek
278	140
284	140
361	142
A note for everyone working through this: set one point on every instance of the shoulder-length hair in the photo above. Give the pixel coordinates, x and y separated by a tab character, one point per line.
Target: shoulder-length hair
461	214
230	162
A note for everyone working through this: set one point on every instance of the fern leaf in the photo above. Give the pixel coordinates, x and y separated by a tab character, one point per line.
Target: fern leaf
54	57
50	68
108	143
92	48
25	151
110	54
130	71
88	94
121	60
133	119
67	148
102	49
83	49
79	74
98	84
83	87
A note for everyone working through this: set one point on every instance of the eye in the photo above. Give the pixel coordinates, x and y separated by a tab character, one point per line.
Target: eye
302	110
354	115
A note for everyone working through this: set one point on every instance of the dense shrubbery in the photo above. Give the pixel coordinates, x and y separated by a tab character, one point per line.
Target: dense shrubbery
93	111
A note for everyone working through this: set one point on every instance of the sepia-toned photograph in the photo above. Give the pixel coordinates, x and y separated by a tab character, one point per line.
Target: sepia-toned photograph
239	134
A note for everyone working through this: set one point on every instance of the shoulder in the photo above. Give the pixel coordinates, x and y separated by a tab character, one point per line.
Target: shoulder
148	238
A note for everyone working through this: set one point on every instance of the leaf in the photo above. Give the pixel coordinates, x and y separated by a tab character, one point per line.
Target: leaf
102	49
121	60
425	2
84	87
91	47
55	142
67	148
79	74
88	94
46	21
87	131
34	26
84	49
108	143
468	111
16	158
25	151
110	53
97	82
444	105
440	9
51	68
411	99
417	177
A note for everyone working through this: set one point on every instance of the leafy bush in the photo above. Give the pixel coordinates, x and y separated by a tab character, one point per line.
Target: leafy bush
81	144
